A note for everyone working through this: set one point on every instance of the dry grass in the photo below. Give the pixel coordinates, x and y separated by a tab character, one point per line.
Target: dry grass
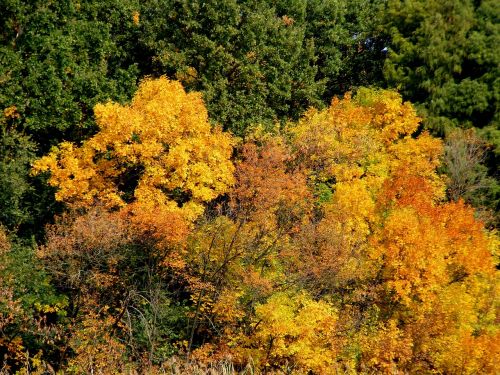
177	366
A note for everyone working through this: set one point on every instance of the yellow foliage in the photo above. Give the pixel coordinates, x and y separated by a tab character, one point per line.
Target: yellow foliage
385	348
292	330
161	145
11	112
387	239
347	207
96	350
227	310
135	18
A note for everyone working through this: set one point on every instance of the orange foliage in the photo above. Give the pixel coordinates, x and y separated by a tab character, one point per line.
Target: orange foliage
96	350
349	207
265	183
89	242
334	251
387	242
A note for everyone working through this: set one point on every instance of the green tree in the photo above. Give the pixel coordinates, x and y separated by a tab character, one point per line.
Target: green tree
31	312
59	58
442	58
16	151
349	47
251	64
258	61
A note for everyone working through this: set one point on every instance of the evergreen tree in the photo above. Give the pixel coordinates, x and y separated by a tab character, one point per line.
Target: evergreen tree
442	58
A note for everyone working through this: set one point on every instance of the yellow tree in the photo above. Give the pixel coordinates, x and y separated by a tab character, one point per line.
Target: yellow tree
335	249
157	157
234	255
396	278
141	181
350	150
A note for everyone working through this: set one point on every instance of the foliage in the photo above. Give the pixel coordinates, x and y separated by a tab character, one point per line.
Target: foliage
96	351
465	154
253	61
292	332
260	62
323	241
16	152
59	59
158	154
388	247
119	293
380	265
149	169
440	57
30	310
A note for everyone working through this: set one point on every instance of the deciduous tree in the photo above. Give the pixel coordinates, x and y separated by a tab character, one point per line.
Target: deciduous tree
157	157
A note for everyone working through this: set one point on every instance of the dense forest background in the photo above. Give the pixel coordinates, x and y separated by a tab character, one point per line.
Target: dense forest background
289	186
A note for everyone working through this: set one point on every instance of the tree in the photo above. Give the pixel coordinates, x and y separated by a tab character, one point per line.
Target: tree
465	154
348	46
57	60
31	312
253	61
138	185
16	152
293	332
368	265
60	59
232	262
387	247
157	155
251	64
440	58
257	62
119	289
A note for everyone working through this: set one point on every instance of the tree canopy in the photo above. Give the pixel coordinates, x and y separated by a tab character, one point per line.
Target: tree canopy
299	187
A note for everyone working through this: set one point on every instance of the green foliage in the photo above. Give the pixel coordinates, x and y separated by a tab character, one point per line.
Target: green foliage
249	64
332	250
31	284
26	203
59	58
32	314
348	46
16	152
442	58
260	62
157	321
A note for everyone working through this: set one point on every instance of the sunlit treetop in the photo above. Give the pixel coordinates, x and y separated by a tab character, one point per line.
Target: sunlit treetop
159	152
370	137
